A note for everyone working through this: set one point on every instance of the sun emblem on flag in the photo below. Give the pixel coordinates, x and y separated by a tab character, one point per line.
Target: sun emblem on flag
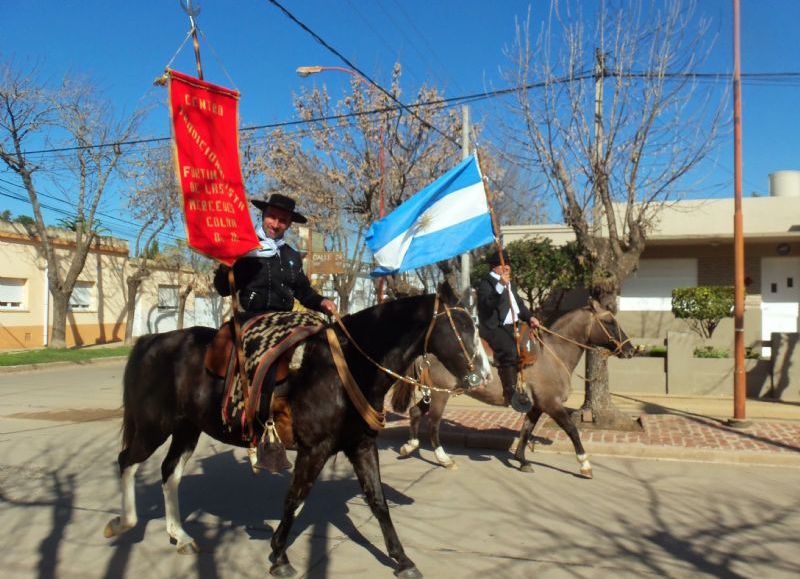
423	223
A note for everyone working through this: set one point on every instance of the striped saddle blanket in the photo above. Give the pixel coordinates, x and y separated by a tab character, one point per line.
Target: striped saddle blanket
268	339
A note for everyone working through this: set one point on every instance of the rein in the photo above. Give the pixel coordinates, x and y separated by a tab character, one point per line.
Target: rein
595	317
376	420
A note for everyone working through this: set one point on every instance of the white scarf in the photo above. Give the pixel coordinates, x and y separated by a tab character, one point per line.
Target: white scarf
269	247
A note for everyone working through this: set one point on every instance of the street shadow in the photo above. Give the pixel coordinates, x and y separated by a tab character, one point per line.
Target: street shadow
222	486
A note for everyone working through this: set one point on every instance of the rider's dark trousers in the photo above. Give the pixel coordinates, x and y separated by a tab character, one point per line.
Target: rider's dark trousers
501	340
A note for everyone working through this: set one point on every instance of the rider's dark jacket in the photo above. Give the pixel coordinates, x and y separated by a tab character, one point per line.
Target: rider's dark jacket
268	284
493	306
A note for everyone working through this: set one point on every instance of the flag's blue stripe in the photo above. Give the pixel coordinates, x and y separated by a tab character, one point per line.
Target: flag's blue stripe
445	244
401	219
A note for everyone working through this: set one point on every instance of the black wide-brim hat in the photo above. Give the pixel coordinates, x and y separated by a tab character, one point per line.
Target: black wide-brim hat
281	202
494	258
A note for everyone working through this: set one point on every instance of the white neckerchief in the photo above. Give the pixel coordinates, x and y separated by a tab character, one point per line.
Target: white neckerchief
269	247
513	311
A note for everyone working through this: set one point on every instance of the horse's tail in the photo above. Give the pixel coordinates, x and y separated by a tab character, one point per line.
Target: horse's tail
130	381
402	396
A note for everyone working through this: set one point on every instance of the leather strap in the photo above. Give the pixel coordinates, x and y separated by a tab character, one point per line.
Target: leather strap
374	419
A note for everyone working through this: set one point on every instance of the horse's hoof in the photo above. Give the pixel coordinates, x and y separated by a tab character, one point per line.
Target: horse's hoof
587	473
285	570
189	548
451	465
410	573
114	528
407	449
527	468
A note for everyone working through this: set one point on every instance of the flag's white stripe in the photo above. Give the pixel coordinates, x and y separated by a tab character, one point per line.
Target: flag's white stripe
458	206
444	244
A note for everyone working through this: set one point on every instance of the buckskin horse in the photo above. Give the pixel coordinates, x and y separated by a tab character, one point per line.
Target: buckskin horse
167	391
548	380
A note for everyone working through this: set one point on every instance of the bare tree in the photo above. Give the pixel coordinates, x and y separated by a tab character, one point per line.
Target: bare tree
71	115
154	202
616	127
334	168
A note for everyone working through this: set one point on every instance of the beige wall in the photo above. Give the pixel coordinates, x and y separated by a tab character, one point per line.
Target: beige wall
104	273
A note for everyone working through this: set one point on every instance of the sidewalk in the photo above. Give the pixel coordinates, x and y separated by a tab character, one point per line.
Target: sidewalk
676	428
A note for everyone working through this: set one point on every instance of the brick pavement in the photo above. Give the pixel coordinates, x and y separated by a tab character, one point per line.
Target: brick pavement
665	435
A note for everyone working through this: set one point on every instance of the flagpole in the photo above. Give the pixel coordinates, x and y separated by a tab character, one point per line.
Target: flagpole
499	246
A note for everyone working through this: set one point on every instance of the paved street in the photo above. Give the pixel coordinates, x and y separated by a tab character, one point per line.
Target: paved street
59	435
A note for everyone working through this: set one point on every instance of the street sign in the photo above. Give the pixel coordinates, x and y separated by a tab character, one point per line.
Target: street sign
326	262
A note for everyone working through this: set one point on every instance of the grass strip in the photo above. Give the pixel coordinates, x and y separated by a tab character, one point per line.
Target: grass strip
44	355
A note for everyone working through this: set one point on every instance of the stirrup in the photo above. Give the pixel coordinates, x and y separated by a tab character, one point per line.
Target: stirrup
270	453
521	400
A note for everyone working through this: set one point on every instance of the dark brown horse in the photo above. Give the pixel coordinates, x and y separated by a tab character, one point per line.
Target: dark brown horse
548	380
168	392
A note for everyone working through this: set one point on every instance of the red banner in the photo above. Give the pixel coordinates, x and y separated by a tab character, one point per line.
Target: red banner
205	120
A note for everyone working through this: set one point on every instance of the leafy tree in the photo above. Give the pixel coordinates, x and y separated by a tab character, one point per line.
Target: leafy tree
615	128
73	118
154	201
25	220
542	271
6	216
703	307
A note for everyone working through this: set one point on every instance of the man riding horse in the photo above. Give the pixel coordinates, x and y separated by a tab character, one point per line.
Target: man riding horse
270	278
499	308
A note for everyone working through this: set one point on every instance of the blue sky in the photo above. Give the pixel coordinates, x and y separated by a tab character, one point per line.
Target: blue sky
457	45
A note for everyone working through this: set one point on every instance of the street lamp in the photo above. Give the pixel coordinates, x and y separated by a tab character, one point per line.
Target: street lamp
305	71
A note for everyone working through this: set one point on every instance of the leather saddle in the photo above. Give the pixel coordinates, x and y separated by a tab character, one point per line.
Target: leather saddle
219	352
220	360
528	348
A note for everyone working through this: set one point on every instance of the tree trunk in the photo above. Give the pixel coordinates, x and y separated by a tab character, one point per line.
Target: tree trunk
598	400
58	339
134	282
182	304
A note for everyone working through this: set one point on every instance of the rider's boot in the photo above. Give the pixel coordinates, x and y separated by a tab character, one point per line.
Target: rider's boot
508	379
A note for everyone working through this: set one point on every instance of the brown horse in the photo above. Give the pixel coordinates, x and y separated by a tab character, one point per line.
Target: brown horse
548	380
167	392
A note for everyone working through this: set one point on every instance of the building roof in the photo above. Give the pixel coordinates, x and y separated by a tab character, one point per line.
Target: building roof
693	220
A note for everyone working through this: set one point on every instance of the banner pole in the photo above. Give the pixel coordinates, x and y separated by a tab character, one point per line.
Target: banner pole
192	13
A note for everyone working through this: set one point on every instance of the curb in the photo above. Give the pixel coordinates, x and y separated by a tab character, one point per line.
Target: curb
505	442
62	364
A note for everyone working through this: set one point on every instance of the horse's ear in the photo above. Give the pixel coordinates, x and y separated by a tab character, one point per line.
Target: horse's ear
447	294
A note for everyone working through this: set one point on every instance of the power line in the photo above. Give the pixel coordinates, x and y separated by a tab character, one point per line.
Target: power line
762	79
366	77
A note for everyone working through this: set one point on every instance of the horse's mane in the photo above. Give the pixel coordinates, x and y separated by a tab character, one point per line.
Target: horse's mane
566	317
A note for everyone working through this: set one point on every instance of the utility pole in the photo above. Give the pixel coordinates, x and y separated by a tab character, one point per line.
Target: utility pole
465	261
599	73
739	377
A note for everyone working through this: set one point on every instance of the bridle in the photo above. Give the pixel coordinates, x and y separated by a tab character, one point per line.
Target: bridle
619	345
375	419
596	317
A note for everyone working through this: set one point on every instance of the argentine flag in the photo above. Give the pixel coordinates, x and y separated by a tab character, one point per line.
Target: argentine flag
448	217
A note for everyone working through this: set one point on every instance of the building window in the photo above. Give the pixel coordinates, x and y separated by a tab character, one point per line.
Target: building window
82	296
650	287
12	293
167	297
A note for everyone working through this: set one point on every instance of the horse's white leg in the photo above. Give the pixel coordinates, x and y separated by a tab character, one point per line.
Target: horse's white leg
185	543
444	459
409	447
586	466
128	519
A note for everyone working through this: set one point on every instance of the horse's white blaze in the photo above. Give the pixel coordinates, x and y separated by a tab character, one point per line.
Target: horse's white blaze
128	479
172	505
484	367
299	509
